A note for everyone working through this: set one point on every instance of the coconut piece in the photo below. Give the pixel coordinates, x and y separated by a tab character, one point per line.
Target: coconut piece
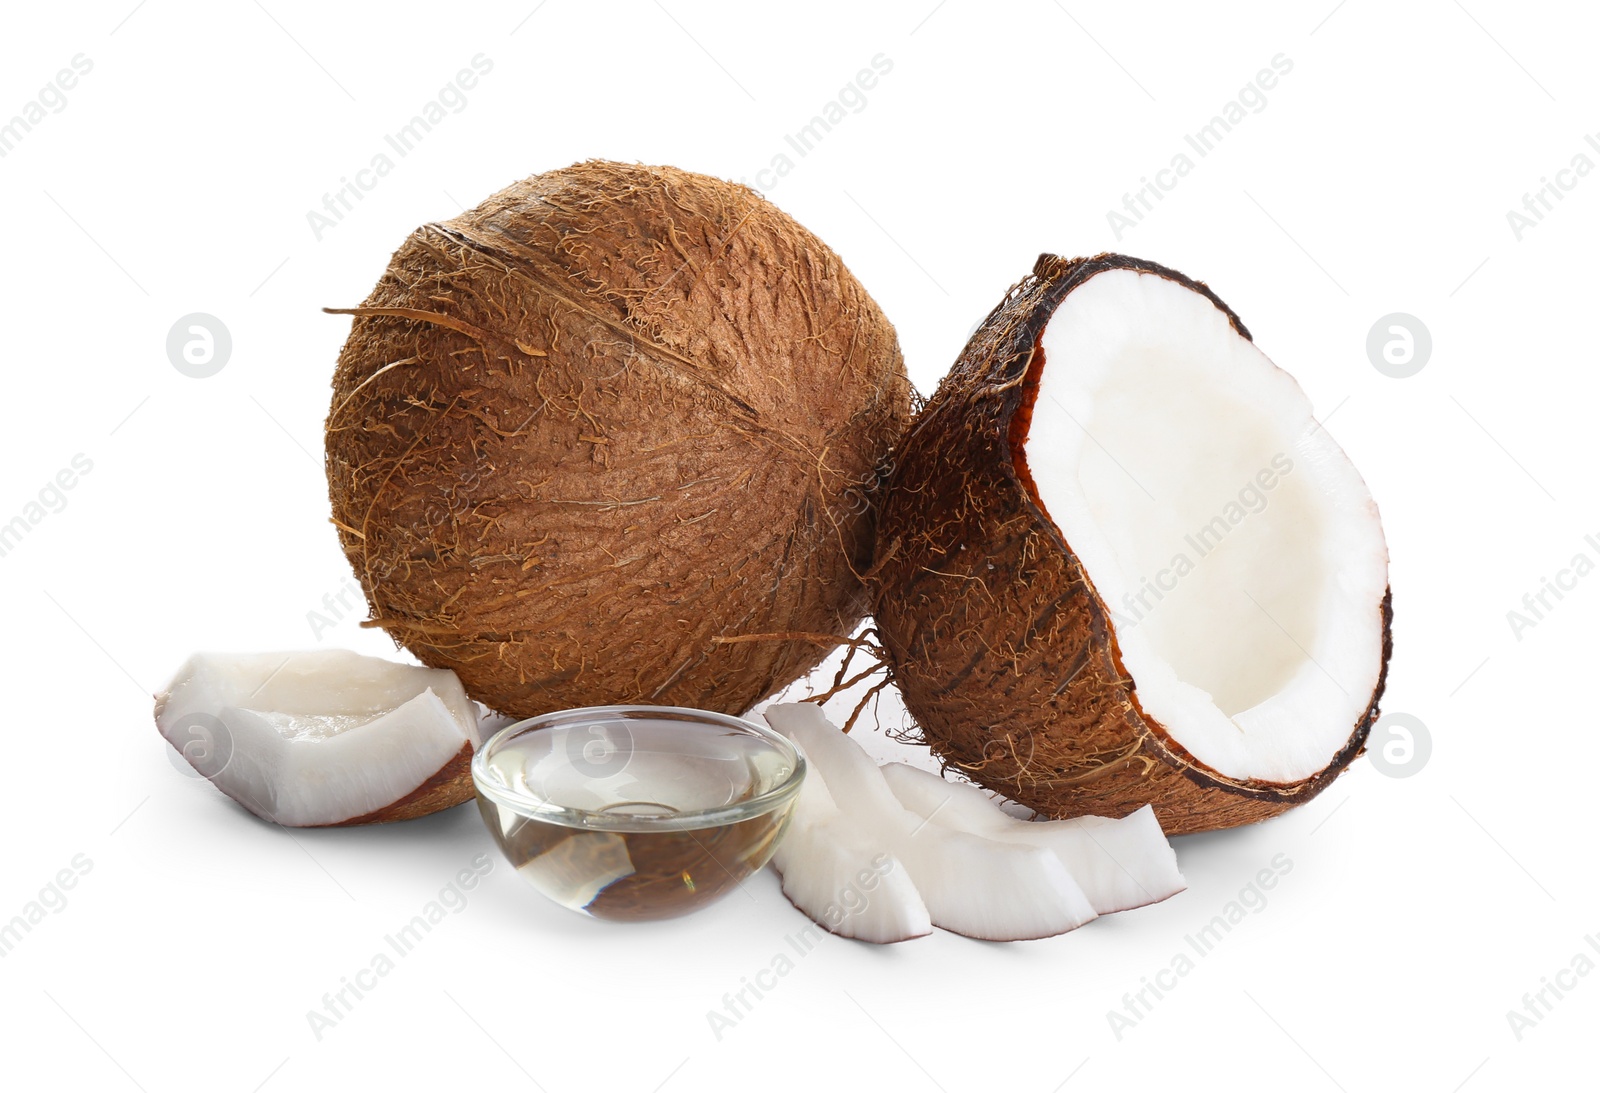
327	738
586	432
835	875
978	887
1122	564
1119	864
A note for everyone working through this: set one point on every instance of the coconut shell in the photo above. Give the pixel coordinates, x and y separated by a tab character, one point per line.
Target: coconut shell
614	416
1003	651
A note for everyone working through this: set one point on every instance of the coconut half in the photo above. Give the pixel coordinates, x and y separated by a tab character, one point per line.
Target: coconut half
320	739
1123	564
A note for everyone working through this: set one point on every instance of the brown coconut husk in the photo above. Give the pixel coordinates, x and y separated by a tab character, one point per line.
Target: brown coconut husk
1003	651
610	416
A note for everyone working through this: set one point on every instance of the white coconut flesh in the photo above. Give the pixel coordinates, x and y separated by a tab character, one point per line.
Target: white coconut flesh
1119	864
308	739
975	886
1237	549
835	875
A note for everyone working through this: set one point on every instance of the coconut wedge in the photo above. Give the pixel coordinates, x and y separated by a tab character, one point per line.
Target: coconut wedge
322	739
1119	864
1121	563
835	875
978	887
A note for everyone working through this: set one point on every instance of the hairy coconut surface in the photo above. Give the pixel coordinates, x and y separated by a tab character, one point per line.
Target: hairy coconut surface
616	415
1083	673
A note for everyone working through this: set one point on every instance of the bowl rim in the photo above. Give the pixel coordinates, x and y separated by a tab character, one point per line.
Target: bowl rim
536	808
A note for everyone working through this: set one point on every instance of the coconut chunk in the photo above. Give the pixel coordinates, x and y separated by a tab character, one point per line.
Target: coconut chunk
1119	864
321	738
975	886
836	876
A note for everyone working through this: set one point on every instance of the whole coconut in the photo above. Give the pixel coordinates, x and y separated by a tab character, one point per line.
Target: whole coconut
585	433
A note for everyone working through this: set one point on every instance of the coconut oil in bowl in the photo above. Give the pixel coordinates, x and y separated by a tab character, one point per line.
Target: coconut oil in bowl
637	812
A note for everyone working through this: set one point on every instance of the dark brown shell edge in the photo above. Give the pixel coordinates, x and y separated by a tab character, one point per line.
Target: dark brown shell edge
964	543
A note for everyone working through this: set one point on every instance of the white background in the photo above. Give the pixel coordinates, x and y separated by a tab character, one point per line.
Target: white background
1377	179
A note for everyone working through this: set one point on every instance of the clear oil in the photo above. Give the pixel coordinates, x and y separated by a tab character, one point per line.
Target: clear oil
648	769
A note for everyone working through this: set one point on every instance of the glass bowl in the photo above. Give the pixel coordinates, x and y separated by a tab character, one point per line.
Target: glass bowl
637	812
